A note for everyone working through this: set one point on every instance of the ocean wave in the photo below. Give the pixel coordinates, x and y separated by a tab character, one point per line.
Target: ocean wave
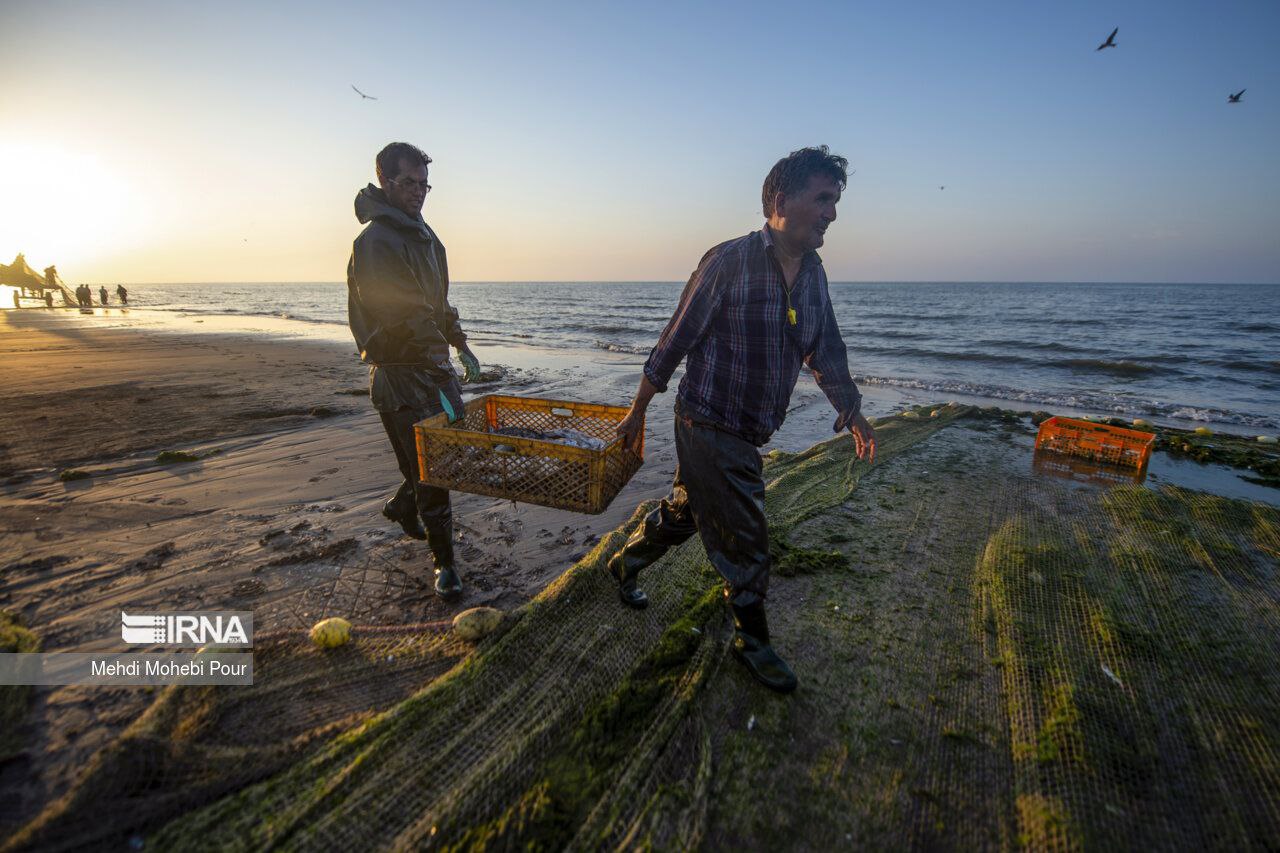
905	315
601	328
627	348
940	355
1053	346
1117	368
890	333
1067	321
275	313
297	318
1251	366
1096	402
1094	365
1254	327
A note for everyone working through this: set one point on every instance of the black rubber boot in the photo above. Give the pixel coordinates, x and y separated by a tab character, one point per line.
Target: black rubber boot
403	510
751	646
448	582
625	567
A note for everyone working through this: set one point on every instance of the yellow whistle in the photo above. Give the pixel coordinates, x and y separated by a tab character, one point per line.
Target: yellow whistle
791	316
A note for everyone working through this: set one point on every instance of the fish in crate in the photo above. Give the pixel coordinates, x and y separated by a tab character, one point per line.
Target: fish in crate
555	453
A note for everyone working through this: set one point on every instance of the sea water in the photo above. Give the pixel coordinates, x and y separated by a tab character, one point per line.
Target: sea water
1206	353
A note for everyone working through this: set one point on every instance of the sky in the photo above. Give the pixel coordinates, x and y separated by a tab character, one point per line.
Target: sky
597	141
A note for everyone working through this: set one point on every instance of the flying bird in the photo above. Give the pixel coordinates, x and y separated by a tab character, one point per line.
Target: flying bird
1111	39
1235	99
362	94
942	188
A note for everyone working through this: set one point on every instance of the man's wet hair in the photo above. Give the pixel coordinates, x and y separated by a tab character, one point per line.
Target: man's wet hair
791	174
388	160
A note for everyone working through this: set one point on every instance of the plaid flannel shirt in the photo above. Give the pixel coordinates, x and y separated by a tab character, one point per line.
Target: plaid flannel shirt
743	355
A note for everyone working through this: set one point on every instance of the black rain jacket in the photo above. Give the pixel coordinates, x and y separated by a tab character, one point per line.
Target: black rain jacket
398	288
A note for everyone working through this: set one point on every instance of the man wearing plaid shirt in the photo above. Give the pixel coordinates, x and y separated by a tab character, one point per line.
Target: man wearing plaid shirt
755	309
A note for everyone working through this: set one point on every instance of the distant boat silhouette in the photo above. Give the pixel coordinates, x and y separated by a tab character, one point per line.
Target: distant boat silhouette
1111	39
1235	99
362	94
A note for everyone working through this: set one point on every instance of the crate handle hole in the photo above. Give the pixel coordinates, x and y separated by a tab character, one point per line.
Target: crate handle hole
562	412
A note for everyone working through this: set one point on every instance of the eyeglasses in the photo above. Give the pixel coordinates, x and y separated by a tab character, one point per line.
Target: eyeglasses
409	183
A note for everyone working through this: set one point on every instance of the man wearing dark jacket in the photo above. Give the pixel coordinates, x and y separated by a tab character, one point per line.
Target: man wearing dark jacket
398	307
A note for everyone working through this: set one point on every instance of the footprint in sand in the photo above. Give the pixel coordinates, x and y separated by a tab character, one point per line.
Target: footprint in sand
248	588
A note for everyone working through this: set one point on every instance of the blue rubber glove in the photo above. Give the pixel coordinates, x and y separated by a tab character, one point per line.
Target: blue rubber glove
470	364
451	401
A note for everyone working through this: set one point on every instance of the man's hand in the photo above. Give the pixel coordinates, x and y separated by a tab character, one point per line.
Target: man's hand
470	364
864	437
629	428
451	401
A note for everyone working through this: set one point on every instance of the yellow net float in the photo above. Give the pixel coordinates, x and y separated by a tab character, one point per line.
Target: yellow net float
331	633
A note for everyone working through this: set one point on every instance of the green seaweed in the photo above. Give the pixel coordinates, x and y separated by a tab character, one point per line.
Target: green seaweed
1060	738
1000	660
173	457
791	561
14	699
547	816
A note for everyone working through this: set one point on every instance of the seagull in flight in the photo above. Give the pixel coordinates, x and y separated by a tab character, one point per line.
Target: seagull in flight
1111	39
1235	99
942	188
362	94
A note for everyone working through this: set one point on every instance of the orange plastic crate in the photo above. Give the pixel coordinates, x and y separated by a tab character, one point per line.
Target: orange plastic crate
467	456
1099	442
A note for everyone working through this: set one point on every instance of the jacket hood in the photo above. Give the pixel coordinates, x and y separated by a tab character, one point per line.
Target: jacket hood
372	203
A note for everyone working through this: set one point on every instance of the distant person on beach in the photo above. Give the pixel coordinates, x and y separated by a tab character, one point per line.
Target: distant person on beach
48	298
82	295
102	294
753	311
399	312
122	294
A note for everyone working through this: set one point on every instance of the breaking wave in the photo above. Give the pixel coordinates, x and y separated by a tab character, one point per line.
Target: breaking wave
633	349
1089	401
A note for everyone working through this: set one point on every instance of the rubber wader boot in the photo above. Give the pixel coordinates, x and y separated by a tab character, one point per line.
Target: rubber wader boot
751	646
448	583
404	511
625	567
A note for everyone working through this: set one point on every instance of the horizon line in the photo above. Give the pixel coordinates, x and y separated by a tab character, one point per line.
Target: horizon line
683	281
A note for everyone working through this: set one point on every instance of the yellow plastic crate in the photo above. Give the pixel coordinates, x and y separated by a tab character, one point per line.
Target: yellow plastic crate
465	456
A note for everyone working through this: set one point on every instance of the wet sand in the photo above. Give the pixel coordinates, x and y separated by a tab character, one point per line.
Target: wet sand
281	516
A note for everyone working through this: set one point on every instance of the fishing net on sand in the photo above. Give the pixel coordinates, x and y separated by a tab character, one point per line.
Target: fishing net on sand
987	659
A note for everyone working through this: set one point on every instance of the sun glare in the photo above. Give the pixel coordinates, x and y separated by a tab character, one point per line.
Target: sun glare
65	207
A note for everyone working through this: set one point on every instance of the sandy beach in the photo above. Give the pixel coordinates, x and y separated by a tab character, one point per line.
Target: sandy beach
280	517
279	514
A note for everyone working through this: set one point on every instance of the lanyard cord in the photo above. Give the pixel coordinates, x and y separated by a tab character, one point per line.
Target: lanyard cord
791	312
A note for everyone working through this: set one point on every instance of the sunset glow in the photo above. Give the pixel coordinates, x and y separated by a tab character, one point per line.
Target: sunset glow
157	142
